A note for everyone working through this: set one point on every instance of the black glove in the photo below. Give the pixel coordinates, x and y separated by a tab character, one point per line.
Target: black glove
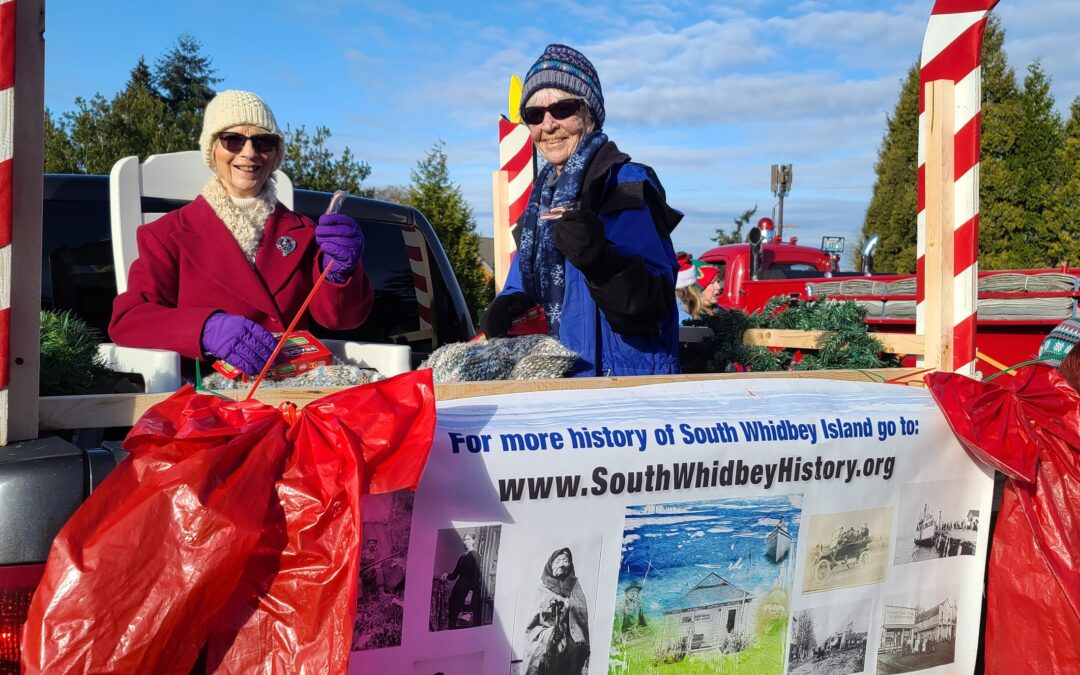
579	235
502	311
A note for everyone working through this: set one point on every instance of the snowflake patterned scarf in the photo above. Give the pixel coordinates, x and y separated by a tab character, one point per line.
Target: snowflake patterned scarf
542	265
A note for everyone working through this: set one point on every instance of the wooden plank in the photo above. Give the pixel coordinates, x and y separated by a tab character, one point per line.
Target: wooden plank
938	259
504	240
28	160
122	410
893	343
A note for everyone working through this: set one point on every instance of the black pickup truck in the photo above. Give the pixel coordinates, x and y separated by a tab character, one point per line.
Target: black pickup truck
417	302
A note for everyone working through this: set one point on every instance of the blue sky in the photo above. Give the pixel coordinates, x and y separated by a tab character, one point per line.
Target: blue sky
708	93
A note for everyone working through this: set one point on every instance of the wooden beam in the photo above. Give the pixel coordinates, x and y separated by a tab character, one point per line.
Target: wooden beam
25	270
893	343
122	410
940	215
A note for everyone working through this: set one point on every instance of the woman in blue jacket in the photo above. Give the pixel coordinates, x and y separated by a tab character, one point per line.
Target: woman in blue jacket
595	247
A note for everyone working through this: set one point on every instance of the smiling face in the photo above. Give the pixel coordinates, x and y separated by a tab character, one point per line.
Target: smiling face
469	541
243	174
557	139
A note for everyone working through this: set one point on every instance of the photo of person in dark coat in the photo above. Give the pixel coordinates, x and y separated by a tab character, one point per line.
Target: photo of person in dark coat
216	277
466	592
595	248
557	635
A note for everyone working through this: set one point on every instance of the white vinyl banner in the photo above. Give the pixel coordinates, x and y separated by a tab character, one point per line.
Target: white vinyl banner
731	526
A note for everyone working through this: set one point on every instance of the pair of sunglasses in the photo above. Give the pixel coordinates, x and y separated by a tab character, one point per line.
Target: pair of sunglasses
560	110
235	142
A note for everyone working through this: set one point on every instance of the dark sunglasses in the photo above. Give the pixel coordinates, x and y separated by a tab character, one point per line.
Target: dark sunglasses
560	110
234	142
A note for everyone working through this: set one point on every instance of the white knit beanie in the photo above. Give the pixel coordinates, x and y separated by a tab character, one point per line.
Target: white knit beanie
231	108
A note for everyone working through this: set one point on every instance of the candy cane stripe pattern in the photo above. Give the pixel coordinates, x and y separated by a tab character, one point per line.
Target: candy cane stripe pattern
7	119
516	159
952	50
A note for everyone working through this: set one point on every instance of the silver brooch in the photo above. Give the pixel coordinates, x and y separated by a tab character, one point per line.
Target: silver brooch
286	245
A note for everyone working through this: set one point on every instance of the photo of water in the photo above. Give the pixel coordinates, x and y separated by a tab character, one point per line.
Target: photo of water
706	584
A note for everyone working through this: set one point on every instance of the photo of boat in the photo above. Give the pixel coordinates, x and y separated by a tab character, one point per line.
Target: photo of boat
924	528
778	543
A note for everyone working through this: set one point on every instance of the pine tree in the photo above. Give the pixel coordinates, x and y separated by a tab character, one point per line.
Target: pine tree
312	166
893	206
443	204
160	110
1017	173
735	236
1063	217
185	81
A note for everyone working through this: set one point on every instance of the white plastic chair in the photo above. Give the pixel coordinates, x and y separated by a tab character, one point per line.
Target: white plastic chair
181	176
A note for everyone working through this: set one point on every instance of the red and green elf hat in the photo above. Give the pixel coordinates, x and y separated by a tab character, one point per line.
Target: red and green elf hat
692	269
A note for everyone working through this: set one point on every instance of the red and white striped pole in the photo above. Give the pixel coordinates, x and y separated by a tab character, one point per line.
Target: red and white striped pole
512	183
516	159
952	51
7	142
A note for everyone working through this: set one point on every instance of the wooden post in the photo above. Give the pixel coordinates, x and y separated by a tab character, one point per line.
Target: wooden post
940	225
504	240
22	114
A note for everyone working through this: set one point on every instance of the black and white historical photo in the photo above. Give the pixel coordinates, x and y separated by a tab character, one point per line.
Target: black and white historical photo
918	631
384	549
829	640
463	588
847	549
557	634
936	520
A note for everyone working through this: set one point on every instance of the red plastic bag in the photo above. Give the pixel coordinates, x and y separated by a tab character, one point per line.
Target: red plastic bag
234	523
1028	427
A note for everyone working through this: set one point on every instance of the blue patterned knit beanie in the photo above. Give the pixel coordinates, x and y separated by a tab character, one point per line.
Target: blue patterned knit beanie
1060	342
565	68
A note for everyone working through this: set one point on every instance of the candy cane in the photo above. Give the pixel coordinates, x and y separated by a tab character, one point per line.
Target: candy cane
952	50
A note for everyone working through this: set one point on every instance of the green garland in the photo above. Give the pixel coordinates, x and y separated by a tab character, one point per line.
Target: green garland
69	357
850	346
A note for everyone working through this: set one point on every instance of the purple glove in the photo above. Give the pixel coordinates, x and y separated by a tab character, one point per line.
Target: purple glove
341	241
238	340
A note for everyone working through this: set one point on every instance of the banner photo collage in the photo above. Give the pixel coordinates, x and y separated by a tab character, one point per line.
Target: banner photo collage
734	526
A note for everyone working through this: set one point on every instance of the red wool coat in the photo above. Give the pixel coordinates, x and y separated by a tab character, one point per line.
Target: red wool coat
190	266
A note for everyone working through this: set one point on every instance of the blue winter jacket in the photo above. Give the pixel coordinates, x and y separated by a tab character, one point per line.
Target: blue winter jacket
637	221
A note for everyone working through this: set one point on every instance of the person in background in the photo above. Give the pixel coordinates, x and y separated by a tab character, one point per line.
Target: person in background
216	277
1058	350
595	248
697	286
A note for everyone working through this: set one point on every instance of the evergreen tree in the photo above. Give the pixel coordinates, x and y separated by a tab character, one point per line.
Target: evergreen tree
1063	217
311	165
443	204
160	110
59	153
893	206
1018	173
184	79
735	236
1002	222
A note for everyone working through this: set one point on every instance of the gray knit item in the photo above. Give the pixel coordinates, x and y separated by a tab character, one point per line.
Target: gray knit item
335	375
567	69
529	357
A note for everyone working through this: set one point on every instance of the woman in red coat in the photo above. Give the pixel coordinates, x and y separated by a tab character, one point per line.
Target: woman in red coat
215	278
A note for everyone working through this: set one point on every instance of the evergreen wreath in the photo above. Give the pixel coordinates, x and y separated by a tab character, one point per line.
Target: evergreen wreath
850	346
